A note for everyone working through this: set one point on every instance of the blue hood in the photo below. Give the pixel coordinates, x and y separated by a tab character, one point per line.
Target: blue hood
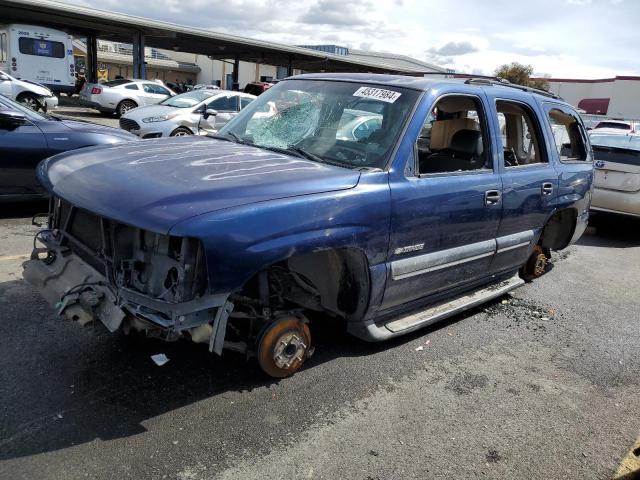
154	184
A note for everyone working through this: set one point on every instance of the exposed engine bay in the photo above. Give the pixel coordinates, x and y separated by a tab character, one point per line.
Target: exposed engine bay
90	267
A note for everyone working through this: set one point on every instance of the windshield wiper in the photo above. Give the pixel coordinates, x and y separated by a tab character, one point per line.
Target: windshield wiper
235	138
312	156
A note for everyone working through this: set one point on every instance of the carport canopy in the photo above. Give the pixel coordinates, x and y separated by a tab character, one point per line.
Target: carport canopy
92	23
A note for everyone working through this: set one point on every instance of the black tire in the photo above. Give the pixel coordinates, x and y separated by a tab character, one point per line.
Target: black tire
124	106
181	132
30	101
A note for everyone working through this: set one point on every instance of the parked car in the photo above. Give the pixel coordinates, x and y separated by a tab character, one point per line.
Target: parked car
617	174
26	137
618	126
206	86
121	95
193	113
257	88
357	125
231	240
31	95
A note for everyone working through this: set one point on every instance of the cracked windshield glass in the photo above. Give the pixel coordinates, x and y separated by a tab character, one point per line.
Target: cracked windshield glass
347	124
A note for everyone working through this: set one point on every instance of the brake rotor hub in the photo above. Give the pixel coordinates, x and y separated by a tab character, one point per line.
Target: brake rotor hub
284	346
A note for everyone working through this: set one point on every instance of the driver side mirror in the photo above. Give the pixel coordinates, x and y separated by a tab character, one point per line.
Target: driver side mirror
3	78
209	112
12	118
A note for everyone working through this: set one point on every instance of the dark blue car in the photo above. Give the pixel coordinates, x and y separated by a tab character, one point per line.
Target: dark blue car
454	193
27	137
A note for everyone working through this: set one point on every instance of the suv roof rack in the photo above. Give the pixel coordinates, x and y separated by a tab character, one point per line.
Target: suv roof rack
506	83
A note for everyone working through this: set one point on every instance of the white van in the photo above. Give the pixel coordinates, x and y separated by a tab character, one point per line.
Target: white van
38	54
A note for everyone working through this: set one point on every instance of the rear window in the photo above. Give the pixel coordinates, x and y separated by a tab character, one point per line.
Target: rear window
41	48
618	125
629	142
116	83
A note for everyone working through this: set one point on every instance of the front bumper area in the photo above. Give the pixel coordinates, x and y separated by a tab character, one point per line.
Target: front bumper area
82	294
50	102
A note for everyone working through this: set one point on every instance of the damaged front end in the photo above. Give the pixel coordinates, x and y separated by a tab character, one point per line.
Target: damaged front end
93	268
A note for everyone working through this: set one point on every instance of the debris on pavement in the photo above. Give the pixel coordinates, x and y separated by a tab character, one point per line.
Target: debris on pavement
160	359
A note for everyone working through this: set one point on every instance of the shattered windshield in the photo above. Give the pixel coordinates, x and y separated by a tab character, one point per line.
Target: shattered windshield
344	123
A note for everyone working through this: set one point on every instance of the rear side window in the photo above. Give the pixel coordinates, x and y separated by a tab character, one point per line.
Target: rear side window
244	101
41	48
154	88
453	137
224	104
569	135
520	133
131	86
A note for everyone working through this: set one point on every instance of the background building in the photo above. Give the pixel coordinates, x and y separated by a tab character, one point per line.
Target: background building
617	97
116	59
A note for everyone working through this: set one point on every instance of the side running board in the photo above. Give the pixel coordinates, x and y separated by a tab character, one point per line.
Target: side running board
434	313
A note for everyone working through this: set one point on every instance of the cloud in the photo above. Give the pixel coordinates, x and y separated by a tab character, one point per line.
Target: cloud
454	49
555	37
338	12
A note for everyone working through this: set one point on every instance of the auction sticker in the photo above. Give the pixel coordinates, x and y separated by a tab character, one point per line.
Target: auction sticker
381	94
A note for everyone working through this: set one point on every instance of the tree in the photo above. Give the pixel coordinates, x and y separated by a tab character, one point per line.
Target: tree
521	74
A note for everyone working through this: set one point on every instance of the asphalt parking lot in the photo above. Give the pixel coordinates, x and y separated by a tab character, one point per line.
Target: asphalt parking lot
542	383
70	108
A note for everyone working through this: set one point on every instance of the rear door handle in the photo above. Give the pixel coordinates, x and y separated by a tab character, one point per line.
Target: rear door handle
492	197
547	188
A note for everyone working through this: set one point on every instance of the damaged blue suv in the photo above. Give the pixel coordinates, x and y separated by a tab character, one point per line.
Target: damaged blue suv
389	202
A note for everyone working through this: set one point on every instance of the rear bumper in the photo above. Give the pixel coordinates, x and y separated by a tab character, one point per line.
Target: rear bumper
615	201
88	103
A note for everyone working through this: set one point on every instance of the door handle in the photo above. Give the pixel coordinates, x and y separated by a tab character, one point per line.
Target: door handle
492	197
547	188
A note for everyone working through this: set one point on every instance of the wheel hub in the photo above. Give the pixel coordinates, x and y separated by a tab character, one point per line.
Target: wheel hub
290	348
284	346
540	265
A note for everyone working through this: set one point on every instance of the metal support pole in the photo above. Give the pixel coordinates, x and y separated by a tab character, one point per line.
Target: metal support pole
290	67
139	70
236	73
91	73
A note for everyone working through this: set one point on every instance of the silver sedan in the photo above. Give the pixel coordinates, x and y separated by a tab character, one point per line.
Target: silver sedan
122	95
198	112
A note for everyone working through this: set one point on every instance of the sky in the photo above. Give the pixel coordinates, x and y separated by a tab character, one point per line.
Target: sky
559	38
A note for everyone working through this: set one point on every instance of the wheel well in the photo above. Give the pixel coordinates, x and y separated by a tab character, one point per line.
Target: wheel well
182	127
558	231
334	281
126	100
26	93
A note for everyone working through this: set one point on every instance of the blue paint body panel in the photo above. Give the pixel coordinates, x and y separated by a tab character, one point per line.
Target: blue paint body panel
252	208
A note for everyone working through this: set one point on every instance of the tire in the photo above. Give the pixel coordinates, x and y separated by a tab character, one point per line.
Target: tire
30	101
181	132
284	346
124	106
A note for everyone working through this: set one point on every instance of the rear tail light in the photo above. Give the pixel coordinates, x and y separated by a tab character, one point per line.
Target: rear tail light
96	91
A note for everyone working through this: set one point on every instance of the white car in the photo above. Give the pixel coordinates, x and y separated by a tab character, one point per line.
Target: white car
120	96
198	112
31	95
617	173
